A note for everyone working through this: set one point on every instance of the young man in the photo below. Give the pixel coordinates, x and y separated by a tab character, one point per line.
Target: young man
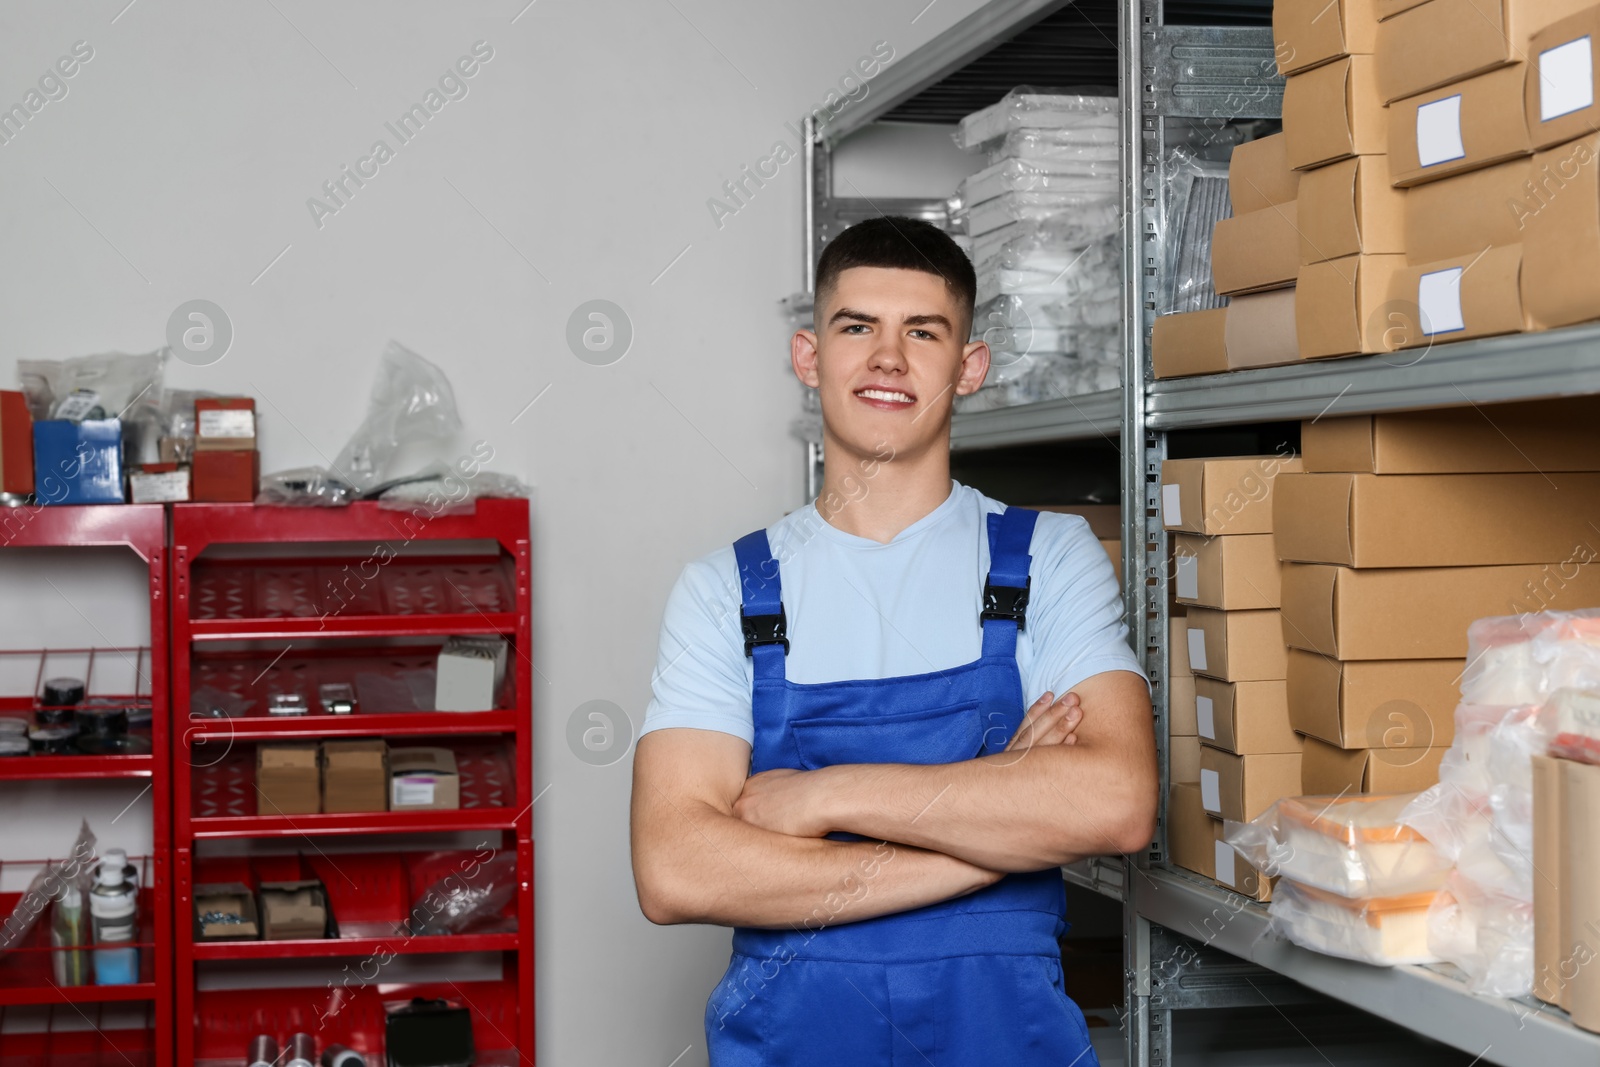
881	725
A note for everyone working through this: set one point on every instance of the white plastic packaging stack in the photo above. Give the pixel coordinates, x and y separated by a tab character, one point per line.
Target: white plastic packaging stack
1044	219
1529	685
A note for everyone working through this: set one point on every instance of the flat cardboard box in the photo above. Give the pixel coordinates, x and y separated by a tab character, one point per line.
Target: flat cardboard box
1189	343
1306	33
1580	892
1256	251
1235	571
1458	128
1388	9
1465	214
1259	175
158	483
423	779
1548	785
1237	646
1559	90
1541	435
1181	714
1350	208
1223	495
288	779
1434	520
1105	520
1191	833
1476	295
224	423
1403	703
1444	41
1245	718
355	776
1334	112
1259	330
225	475
1328	770
1242	787
294	911
1183	759
226	898
16	443
1561	242
1234	873
1421	613
1339	306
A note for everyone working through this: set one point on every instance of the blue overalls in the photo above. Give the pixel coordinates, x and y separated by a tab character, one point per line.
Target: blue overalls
971	981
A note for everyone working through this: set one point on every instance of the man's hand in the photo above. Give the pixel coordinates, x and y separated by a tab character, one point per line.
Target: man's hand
1048	722
783	801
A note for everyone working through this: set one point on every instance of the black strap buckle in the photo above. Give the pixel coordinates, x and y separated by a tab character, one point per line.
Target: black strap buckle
765	630
1006	602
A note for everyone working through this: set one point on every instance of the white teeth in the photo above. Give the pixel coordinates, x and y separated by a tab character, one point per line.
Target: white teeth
884	394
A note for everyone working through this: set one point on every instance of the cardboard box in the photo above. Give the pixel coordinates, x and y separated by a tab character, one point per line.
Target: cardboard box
1444	41
1308	33
1403	703
1330	771
423	779
1434	520
1233	872
1236	572
1237	646
294	911
1259	175
1259	330
16	443
1105	520
1561	242
159	483
1256	251
1453	299
1461	127
288	779
1188	343
1223	495
1191	833
1181	716
224	423
470	672
1421	613
1339	306
1245	718
78	462
222	476
226	898
1183	759
1242	787
1580	892
1548	785
1543	435
1334	112
355	775
1388	9
1349	208
1465	214
1559	90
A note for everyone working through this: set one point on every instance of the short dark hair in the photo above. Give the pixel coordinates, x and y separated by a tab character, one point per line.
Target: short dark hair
899	243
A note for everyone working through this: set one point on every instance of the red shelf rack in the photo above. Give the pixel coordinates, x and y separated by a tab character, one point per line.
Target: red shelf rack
370	596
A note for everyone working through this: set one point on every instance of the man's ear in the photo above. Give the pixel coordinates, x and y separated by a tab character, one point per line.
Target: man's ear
974	368
803	354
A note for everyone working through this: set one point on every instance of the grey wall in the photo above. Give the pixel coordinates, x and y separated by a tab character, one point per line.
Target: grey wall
178	165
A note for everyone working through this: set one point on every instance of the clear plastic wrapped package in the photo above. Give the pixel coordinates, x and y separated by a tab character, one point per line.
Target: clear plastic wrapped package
1082	218
1352	845
1028	108
1085	148
1197	199
1101	177
1486	934
1574	716
1378	930
1521	659
462	897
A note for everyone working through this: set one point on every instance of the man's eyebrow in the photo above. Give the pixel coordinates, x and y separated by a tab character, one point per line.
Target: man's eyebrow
929	320
853	315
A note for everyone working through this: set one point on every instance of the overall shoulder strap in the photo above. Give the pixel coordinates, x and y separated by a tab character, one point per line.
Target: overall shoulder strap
1005	589
761	615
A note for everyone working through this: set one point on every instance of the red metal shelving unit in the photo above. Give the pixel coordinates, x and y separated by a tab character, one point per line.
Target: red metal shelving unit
248	621
26	977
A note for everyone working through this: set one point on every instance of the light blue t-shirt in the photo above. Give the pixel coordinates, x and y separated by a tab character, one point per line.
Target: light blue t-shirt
859	609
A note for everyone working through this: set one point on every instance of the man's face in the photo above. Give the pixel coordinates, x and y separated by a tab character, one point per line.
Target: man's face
889	355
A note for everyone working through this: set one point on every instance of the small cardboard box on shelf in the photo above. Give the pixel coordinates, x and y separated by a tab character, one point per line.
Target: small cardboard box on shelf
423	778
1328	770
288	779
1245	718
1334	112
1461	127
1404	703
1242	787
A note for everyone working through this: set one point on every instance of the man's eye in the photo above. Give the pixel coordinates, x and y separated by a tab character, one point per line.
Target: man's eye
854	326
923	334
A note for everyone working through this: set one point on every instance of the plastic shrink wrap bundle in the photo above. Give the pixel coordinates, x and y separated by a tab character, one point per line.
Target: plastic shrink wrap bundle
1378	930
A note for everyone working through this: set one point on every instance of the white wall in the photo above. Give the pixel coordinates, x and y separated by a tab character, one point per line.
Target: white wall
577	167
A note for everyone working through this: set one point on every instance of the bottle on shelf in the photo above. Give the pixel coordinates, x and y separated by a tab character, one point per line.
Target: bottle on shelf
67	931
113	908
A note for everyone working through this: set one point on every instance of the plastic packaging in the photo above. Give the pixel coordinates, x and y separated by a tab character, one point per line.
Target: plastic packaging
1082	217
111	385
45	887
1025	107
1522	659
1081	148
463	899
1352	845
1488	935
1377	930
446	492
1197	199
1574	718
1097	177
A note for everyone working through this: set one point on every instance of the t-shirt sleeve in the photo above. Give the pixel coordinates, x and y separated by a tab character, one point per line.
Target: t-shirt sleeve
701	680
1076	614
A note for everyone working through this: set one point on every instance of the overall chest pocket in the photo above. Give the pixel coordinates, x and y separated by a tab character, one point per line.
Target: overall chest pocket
934	735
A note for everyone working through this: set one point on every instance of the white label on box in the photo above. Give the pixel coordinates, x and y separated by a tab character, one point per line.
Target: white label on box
1188	576
1205	715
1439	131
1171	505
159	488
1439	301
1225	857
227	422
1197	650
1210	791
1566	79
413	792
